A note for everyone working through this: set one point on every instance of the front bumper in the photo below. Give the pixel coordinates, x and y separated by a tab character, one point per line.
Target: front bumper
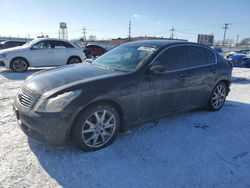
43	127
4	63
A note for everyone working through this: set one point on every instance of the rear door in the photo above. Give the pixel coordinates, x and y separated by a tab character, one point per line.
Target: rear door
170	88
62	51
201	73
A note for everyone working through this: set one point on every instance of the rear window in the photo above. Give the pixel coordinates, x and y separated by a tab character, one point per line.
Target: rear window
198	56
62	44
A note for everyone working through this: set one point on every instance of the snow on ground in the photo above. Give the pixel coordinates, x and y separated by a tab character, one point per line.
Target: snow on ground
192	149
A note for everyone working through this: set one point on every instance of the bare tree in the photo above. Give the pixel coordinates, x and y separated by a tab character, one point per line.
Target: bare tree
245	42
218	42
229	42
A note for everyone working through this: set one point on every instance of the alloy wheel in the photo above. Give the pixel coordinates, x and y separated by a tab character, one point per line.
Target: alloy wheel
99	128
19	65
219	96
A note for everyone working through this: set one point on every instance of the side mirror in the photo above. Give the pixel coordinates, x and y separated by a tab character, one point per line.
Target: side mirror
157	69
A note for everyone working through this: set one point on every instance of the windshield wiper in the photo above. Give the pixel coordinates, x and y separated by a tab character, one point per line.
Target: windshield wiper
103	67
109	68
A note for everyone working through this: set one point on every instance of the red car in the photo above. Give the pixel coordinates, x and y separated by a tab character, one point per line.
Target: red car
94	51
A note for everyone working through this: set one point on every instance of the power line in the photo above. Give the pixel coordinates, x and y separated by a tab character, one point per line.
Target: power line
201	27
172	32
225	32
129	29
84	33
237	39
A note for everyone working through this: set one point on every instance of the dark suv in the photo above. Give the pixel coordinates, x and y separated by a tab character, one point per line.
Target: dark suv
11	44
132	83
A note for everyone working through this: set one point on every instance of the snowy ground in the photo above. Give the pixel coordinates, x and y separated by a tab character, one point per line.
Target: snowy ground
193	149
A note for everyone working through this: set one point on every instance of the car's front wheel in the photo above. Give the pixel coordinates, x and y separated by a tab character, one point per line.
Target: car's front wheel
19	64
96	127
218	96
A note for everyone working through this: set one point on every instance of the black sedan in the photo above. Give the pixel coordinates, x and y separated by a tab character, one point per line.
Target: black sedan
11	44
133	83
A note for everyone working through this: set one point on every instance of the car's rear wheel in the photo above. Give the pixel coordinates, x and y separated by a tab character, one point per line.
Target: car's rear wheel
218	96
96	127
74	60
19	64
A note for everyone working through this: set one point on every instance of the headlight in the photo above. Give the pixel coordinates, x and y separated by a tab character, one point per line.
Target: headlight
3	55
58	103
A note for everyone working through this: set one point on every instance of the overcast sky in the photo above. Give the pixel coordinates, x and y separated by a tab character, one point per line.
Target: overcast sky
109	18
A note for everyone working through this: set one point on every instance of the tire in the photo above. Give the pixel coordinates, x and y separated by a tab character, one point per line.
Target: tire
74	60
96	127
19	64
218	97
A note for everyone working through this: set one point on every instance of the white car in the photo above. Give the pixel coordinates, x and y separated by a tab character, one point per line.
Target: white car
41	52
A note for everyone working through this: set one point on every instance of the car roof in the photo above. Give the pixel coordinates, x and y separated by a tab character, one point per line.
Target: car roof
160	43
49	39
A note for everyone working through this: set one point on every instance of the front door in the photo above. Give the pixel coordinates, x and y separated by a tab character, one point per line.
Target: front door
42	54
170	87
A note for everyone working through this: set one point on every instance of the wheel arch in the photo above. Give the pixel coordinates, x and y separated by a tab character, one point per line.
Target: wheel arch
21	57
111	102
225	81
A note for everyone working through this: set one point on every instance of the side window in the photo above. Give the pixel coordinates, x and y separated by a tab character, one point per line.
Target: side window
173	58
198	56
20	43
61	44
67	45
211	57
11	44
42	45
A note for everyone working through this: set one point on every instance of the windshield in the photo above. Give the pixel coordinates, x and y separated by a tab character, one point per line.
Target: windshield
125	58
30	43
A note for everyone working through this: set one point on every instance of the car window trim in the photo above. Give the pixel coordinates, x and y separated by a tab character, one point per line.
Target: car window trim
184	45
215	55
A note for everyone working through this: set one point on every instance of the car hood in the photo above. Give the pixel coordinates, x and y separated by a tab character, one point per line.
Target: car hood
56	79
12	50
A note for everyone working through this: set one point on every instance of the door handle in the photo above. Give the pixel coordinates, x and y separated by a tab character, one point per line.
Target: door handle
182	78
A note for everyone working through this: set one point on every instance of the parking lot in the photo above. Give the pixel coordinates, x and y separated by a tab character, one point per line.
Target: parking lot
191	149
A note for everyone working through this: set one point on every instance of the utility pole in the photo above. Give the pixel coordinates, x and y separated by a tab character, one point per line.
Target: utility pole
237	40
172	32
225	31
129	29
84	34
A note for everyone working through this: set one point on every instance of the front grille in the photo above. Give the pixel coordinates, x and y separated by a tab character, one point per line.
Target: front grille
27	100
